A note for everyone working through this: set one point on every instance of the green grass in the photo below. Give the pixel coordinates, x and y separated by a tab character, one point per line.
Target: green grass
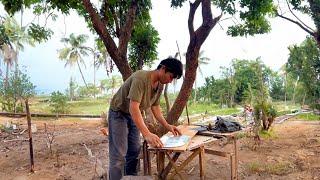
278	168
282	106
85	106
211	109
308	117
268	134
89	106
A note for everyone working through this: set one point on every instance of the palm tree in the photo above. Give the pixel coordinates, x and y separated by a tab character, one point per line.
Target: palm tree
74	51
12	42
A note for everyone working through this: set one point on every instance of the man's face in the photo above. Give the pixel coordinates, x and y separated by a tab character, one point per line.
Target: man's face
167	77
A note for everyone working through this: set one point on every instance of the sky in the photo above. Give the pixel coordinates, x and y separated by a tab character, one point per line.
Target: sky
48	73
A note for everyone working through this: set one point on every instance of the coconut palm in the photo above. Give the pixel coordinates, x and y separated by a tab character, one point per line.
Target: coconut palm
74	51
12	39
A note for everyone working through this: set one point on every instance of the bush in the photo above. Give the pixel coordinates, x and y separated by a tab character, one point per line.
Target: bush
58	102
13	90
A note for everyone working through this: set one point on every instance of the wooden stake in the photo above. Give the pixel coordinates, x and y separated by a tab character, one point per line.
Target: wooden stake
30	136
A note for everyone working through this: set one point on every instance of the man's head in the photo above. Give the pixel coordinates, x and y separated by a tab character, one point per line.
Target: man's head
171	66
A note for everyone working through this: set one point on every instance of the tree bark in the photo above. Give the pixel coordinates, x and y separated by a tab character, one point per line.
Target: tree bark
196	40
82	74
118	54
166	98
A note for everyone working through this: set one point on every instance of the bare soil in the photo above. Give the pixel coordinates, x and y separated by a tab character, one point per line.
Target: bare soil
80	151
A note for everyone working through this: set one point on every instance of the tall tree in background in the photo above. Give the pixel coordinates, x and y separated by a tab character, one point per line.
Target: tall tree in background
15	39
74	51
202	60
298	8
229	93
304	62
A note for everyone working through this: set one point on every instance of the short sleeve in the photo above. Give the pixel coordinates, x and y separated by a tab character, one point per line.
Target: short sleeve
136	90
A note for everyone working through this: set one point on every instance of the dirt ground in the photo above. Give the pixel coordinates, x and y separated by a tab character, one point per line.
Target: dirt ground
80	151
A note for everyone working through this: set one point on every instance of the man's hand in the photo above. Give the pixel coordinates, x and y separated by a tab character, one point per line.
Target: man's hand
153	140
175	131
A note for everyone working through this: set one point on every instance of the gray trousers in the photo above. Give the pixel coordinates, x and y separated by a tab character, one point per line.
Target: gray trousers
124	145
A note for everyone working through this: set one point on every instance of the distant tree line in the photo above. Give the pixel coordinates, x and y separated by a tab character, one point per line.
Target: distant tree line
297	81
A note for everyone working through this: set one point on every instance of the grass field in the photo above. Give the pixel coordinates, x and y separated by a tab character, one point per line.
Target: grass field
100	105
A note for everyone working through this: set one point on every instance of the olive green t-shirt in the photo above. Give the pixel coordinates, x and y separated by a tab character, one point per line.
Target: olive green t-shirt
137	88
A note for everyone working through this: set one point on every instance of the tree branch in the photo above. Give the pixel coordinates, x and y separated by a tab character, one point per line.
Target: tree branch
305	25
207	24
104	6
113	50
116	22
297	23
193	7
127	28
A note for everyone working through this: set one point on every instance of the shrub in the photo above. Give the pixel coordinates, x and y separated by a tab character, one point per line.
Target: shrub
58	102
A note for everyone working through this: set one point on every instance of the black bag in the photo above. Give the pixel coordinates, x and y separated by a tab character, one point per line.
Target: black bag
224	126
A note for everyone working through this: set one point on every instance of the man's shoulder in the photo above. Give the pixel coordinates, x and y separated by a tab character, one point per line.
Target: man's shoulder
141	74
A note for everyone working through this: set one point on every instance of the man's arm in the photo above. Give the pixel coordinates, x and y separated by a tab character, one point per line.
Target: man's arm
151	138
156	110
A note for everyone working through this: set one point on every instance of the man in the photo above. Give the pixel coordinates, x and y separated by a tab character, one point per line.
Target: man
140	91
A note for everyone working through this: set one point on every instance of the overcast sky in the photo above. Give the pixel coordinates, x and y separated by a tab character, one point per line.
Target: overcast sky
48	73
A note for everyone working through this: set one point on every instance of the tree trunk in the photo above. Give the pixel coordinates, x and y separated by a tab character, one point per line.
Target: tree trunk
166	98
82	74
94	75
195	89
118	54
294	91
6	84
196	40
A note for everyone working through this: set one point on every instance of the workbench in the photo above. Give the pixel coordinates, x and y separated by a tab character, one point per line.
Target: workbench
196	147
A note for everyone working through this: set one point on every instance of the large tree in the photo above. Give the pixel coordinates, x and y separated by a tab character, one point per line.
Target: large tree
295	11
304	62
115	20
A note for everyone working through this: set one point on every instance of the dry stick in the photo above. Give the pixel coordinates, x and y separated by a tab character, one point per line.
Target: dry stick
11	140
50	137
30	135
183	78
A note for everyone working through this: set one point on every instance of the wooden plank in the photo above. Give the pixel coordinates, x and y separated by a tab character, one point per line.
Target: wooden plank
198	141
166	171
172	162
185	130
185	163
137	178
217	153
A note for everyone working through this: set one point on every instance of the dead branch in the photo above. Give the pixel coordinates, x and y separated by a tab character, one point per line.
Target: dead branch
12	140
89	150
49	136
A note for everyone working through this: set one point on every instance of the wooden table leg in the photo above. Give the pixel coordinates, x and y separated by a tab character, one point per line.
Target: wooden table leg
173	163
167	169
146	159
235	156
160	162
201	162
232	167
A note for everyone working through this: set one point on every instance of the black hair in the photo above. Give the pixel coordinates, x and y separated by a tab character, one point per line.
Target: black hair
172	65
